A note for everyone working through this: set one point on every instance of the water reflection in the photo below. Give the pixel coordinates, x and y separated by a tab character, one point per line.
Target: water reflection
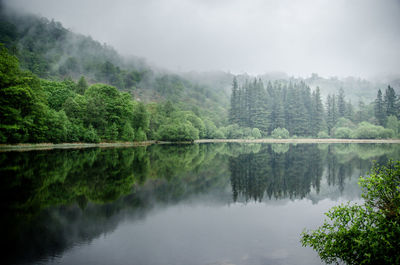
54	200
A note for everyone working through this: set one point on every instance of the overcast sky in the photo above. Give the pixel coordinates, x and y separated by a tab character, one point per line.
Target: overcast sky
329	37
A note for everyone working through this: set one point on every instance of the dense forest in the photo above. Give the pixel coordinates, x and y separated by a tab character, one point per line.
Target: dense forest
39	110
59	86
283	109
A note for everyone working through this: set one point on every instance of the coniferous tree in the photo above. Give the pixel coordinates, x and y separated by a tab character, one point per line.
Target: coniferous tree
81	86
251	103
290	110
300	122
390	106
243	103
234	112
317	112
341	103
349	113
307	102
379	108
260	119
331	112
361	114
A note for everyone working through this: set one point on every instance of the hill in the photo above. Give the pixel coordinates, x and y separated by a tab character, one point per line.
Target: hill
50	51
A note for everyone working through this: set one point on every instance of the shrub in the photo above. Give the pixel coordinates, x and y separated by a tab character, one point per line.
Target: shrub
280	133
234	131
255	133
393	124
219	134
363	234
323	134
343	133
366	130
178	131
343	122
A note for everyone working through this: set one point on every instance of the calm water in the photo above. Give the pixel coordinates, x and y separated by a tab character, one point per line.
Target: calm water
191	204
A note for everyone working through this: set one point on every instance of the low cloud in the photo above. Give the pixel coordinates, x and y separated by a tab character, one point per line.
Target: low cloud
332	38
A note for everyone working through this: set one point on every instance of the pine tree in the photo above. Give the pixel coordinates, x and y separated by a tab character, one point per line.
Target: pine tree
300	120
331	112
234	112
317	113
361	114
379	109
260	119
242	106
290	110
341	103
390	104
307	102
349	113
81	86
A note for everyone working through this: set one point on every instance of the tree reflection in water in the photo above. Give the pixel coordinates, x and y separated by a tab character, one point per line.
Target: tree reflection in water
52	200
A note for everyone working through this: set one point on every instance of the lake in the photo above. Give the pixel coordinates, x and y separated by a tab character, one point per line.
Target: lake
176	204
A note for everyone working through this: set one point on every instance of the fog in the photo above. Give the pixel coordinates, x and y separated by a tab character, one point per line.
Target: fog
331	38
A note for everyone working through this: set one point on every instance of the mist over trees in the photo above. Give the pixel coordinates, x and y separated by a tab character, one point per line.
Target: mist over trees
58	86
292	107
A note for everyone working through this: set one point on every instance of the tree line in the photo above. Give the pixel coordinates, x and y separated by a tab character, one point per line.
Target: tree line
284	108
40	110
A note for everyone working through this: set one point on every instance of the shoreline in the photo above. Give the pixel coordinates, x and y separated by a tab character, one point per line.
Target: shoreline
51	146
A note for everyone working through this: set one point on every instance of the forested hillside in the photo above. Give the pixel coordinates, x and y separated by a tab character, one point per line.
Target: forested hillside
59	86
50	51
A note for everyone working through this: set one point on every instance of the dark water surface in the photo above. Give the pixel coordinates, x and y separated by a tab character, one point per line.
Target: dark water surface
188	204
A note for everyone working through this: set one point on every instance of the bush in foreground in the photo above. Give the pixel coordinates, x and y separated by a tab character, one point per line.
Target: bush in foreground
363	234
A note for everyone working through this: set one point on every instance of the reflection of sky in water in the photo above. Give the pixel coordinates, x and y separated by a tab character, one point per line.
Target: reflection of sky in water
205	230
252	233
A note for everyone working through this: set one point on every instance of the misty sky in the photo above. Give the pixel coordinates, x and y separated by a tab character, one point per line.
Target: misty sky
330	37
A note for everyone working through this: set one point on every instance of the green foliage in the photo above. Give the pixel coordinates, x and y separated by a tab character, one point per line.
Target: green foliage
367	130
141	117
393	124
255	133
81	86
128	134
317	118
178	131
90	135
22	103
283	105
112	132
236	132
323	135
343	133
194	120
140	135
379	108
363	234
344	122
280	133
